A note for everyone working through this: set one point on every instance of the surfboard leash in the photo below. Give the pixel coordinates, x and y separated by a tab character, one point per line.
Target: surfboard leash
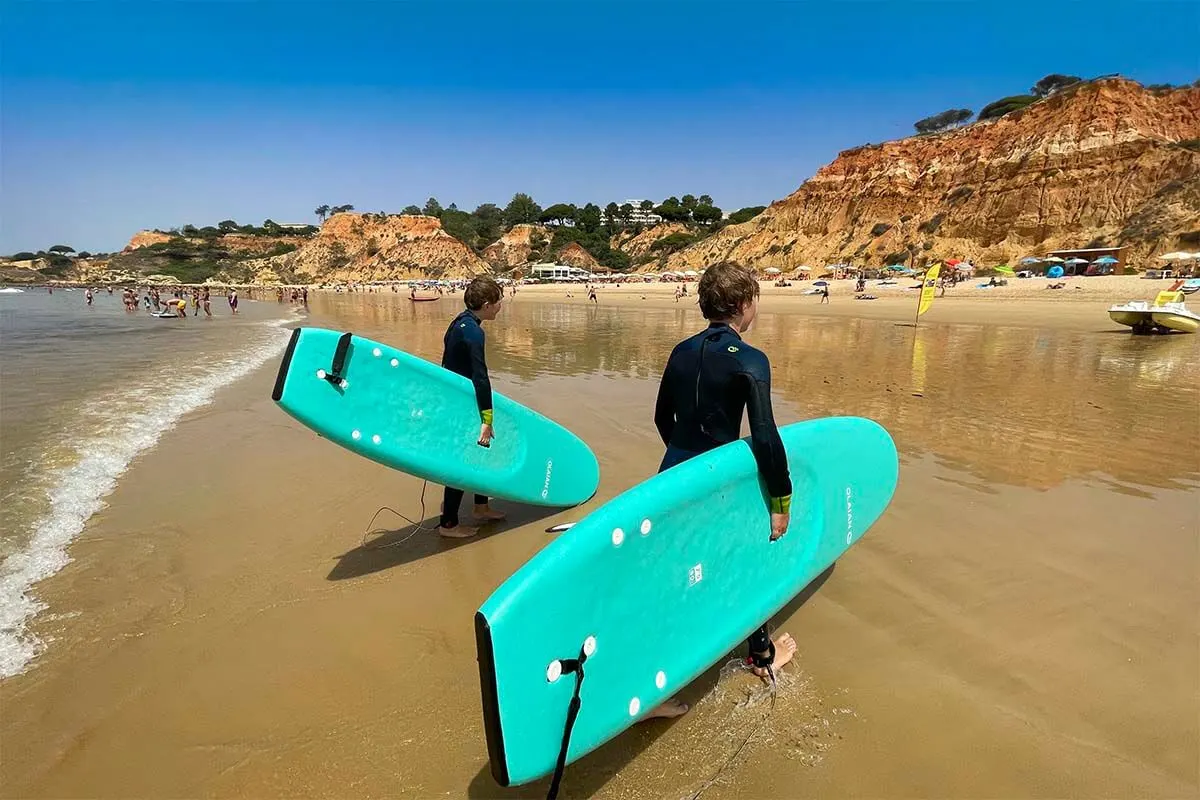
417	526
745	742
569	665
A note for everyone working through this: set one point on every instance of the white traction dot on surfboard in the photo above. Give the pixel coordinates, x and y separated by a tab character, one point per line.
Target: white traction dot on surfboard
376	439
321	374
395	362
356	435
345	383
554	671
377	352
645	527
618	537
660	680
589	646
635	706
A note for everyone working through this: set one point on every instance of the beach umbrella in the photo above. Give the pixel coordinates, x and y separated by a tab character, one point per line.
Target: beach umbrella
1004	269
771	271
1076	261
820	283
897	268
1053	260
1030	260
1055	272
1106	260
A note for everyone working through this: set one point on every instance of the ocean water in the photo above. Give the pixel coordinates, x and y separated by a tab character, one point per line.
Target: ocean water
83	392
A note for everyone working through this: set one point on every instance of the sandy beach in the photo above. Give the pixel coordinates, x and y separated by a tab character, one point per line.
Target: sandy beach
1020	623
1022	302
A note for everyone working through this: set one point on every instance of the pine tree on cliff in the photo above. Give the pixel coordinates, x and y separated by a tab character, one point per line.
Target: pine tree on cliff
521	210
1052	83
322	212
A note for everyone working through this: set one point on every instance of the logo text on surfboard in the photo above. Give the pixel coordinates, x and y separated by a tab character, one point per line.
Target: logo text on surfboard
546	483
849	518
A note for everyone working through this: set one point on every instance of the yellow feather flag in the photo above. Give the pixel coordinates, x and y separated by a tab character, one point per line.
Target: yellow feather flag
928	288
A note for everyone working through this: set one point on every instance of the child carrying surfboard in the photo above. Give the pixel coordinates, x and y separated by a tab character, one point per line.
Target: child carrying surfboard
464	355
710	379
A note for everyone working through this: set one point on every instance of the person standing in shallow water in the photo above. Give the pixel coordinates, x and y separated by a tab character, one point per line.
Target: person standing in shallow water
709	381
464	355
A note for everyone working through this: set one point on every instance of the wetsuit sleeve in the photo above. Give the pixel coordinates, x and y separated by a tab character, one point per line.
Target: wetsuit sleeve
479	377
664	408
764	436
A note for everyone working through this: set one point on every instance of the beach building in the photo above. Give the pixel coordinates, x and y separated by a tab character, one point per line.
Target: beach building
558	272
1081	262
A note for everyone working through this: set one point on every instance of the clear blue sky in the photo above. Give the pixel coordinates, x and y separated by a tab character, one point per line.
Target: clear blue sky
121	116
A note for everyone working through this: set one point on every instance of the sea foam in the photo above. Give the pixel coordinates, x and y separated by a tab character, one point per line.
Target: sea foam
115	430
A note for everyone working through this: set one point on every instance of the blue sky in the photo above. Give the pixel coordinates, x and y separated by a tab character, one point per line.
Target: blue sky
122	116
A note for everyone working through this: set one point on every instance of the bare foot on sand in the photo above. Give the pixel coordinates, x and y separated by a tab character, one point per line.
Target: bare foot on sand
785	648
488	514
458	531
669	710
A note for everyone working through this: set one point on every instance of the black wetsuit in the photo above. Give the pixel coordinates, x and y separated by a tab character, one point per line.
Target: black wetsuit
463	354
709	380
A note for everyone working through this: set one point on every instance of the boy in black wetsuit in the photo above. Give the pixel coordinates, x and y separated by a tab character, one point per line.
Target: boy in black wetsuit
708	382
464	354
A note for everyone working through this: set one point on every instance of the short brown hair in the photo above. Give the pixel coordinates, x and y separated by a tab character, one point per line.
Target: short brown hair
724	289
481	291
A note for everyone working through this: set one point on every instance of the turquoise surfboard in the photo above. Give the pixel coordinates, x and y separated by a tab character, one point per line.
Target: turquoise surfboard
659	583
416	417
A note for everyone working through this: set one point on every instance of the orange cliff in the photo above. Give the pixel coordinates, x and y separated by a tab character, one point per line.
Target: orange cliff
1103	163
375	247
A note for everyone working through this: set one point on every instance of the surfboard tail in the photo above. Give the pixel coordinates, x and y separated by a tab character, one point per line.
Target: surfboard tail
491	700
281	376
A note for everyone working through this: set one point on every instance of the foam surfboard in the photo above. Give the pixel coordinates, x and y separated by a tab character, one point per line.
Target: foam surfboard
662	581
414	416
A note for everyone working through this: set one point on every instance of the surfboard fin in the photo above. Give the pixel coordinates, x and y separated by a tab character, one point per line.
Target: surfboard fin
334	375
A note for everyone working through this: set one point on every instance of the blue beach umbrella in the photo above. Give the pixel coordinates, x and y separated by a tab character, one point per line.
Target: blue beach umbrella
1106	260
1055	272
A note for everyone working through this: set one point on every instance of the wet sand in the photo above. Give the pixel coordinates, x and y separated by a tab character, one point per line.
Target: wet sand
1022	621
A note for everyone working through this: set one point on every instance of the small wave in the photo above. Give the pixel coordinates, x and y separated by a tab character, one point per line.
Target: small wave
122	427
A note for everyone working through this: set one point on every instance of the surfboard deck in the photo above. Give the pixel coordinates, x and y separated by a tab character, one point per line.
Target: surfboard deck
414	416
662	581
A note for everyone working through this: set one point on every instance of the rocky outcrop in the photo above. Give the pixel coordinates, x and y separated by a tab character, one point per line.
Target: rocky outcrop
516	247
145	239
638	244
1103	163
375	247
576	256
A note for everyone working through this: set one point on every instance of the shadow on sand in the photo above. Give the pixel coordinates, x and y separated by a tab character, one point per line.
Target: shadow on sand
386	548
586	777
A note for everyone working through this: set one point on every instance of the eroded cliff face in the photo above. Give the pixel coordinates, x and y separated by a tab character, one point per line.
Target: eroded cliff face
516	246
145	239
1102	164
576	256
371	247
638	244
